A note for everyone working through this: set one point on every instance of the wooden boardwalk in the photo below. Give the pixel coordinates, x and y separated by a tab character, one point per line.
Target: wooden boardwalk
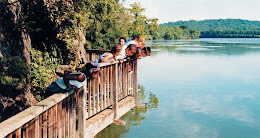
79	114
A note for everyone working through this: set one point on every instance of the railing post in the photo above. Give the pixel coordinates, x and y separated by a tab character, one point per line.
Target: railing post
115	90
135	87
82	111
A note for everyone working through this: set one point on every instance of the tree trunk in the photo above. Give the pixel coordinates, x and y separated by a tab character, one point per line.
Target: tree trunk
82	51
26	46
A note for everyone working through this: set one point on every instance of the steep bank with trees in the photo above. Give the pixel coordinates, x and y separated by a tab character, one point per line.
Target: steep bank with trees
38	35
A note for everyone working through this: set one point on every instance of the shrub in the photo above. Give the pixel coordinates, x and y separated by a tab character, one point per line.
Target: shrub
42	71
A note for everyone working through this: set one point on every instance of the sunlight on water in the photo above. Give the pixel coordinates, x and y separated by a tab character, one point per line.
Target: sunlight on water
204	89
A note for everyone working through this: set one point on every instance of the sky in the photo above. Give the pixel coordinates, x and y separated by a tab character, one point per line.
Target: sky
175	10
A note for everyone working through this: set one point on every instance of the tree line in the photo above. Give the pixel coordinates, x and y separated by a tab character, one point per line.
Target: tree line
218	24
176	32
222	28
230	34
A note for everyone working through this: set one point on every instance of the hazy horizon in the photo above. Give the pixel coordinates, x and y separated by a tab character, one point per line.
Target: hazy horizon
176	10
210	19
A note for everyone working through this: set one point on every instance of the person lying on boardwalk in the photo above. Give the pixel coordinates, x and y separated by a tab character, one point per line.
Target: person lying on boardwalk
110	56
74	80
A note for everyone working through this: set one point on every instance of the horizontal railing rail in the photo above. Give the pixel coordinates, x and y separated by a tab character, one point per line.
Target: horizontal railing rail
92	54
65	114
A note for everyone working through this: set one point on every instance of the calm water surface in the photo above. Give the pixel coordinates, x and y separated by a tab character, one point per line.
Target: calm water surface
203	88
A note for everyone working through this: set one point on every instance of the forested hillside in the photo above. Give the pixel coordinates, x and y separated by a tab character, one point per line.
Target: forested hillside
218	24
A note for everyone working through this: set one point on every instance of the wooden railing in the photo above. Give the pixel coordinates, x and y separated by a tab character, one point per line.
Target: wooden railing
65	114
101	89
92	54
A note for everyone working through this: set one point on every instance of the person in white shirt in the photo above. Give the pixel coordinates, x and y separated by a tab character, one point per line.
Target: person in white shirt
74	80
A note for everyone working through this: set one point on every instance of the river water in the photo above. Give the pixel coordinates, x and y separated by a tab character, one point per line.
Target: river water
201	88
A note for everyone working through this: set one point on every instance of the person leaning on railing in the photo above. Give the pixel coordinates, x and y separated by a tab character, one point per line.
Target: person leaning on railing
110	56
74	80
122	41
146	51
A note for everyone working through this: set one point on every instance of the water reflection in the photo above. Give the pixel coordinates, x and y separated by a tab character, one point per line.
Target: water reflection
133	117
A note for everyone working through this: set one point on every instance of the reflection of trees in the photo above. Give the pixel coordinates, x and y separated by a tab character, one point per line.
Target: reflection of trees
153	102
134	117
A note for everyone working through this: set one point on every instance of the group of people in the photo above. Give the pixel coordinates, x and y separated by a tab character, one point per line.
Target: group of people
130	49
126	50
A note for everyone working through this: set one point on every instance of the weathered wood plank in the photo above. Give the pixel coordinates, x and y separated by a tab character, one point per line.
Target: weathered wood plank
101	89
31	128
40	125
44	124
81	112
18	133
36	132
124	80
25	132
115	90
105	87
71	117
77	114
121	82
128	78
98	94
74	110
111	85
67	116
89	99
50	123
59	119
63	116
55	123
135	83
94	109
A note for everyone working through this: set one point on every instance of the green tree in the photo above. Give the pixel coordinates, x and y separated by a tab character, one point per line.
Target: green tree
138	21
108	21
152	26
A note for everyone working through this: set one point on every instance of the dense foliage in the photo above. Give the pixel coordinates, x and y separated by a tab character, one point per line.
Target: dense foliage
15	71
176	32
222	28
218	24
42	71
